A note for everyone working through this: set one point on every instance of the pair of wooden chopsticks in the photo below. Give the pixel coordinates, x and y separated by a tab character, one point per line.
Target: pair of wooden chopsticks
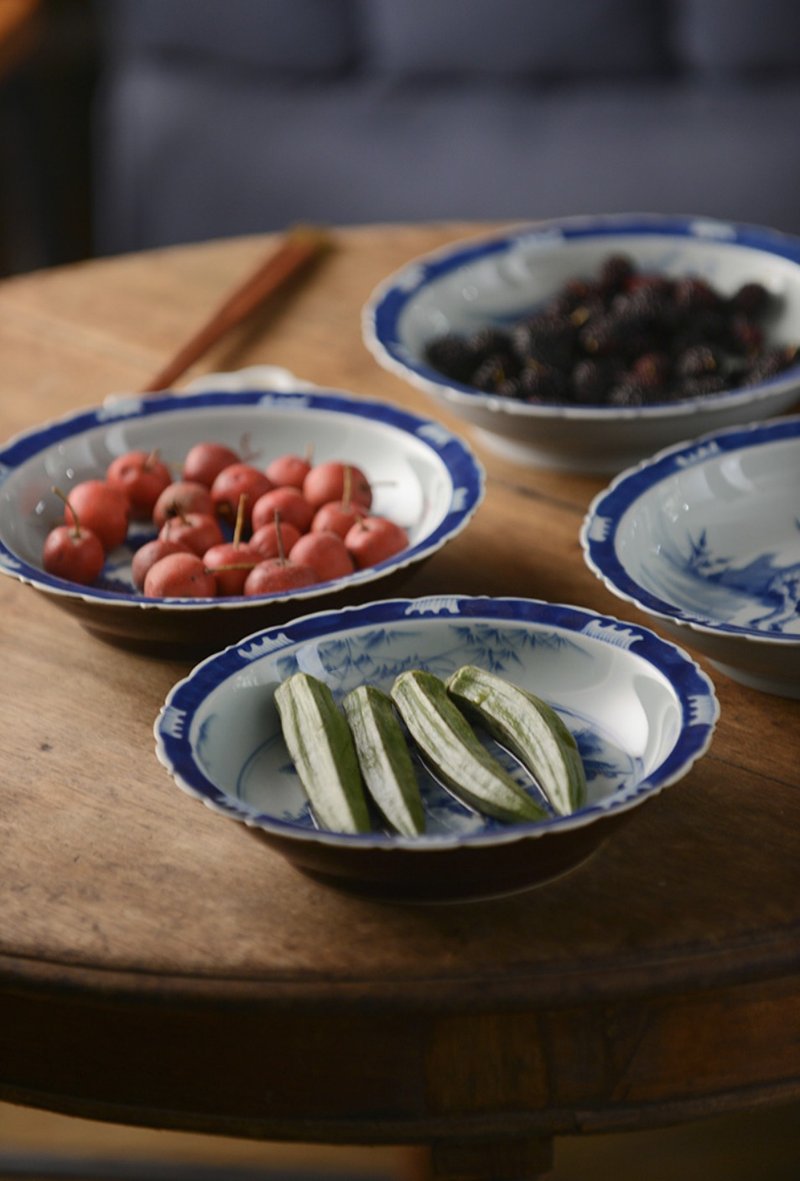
298	249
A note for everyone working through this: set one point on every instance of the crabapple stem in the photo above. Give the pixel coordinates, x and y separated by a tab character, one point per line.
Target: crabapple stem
76	525
239	526
279	538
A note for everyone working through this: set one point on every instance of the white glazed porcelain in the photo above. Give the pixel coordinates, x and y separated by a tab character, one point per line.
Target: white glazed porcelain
498	278
706	538
425	478
641	710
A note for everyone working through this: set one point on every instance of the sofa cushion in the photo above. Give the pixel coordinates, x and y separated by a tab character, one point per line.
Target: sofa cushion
738	35
271	36
541	38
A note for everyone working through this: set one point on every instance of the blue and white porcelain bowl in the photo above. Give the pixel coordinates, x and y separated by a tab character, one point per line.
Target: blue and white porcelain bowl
705	537
495	279
641	710
425	478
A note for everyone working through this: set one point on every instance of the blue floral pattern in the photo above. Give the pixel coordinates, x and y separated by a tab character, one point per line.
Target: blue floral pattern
771	589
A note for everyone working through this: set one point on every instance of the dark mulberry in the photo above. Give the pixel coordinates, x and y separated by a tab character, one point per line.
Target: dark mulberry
627	393
626	337
488	342
543	383
592	379
699	360
770	364
551	341
752	299
493	371
452	356
652	371
745	336
703	384
692	293
616	272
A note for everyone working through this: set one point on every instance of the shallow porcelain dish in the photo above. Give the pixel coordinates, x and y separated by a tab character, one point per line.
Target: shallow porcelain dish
641	710
495	279
425	478
706	538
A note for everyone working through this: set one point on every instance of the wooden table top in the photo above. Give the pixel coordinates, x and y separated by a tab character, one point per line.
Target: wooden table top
161	966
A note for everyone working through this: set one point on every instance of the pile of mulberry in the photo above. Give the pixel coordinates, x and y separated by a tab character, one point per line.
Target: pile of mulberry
626	337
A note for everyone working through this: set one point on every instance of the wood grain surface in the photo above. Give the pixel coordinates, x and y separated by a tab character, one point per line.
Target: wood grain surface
159	965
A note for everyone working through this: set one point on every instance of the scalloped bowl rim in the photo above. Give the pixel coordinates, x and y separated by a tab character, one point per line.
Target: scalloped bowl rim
453	453
383	310
694	690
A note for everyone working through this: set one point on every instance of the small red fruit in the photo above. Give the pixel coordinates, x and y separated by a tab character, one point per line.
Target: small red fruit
234	482
373	540
278	574
101	509
180	576
288	469
204	462
266	539
148	554
73	553
142	476
289	502
231	564
337	516
336	481
182	496
325	553
197	531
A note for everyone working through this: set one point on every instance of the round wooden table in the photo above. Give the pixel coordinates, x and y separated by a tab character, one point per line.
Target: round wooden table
159	966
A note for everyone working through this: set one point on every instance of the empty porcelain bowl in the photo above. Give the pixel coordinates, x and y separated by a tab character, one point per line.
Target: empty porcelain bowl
705	537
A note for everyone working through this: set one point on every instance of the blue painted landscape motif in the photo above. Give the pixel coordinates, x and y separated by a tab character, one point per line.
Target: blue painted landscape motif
378	655
773	590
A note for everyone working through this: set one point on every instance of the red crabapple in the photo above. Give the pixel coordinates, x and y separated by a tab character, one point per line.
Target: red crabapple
336	481
197	531
233	482
148	554
337	516
288	470
142	476
101	509
325	553
289	502
374	539
180	576
182	496
278	574
73	553
231	563
204	462
265	540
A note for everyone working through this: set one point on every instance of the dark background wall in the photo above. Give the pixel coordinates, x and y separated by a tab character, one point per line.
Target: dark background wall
48	73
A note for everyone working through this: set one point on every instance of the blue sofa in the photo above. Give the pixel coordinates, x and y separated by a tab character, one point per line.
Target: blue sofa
218	117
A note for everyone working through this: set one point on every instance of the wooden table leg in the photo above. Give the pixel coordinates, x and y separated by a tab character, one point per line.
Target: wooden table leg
491	1160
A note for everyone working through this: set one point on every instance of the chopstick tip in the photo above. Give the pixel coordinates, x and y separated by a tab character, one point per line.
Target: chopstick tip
317	237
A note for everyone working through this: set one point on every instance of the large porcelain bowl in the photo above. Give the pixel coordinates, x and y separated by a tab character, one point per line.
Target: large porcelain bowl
705	537
424	477
641	710
495	279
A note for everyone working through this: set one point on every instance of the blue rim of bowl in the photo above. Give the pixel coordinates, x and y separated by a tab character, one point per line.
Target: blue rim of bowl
384	309
598	534
694	690
465	471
